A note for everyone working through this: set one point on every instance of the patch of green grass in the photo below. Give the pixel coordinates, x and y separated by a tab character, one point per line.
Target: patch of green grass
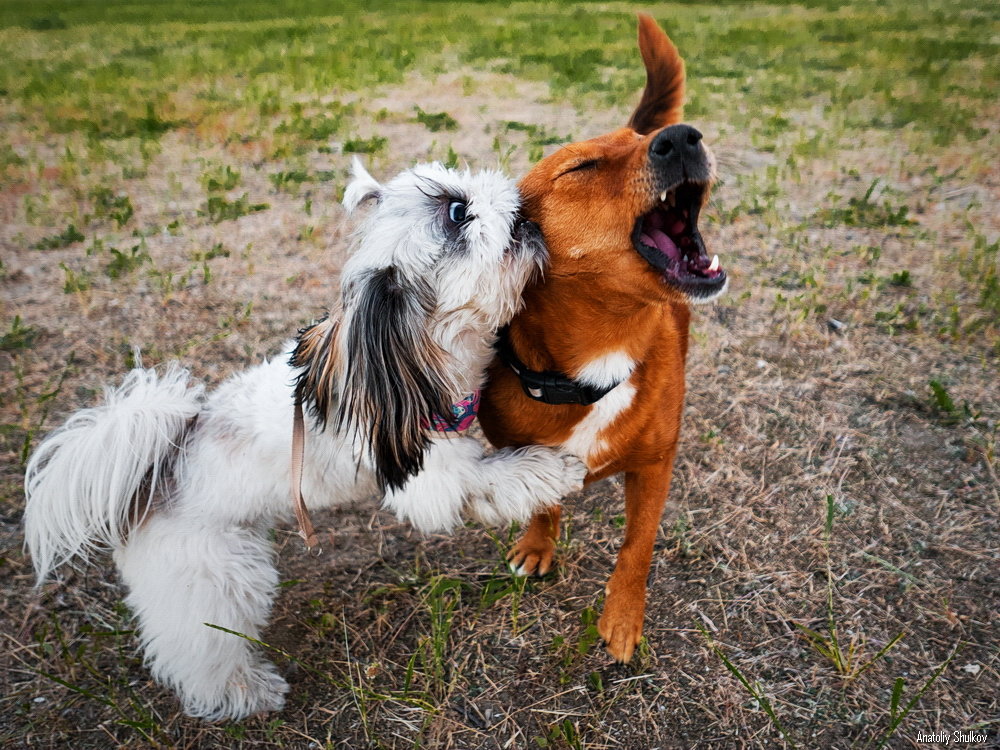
442	596
110	205
866	212
33	403
320	126
436	121
897	317
10	158
93	681
123	263
941	398
116	124
45	23
218	250
162	65
589	635
220	179
842	655
372	145
537	133
758	196
951	413
18	336
289	178
563	734
75	280
979	264
901	278
538	136
218	208
66	237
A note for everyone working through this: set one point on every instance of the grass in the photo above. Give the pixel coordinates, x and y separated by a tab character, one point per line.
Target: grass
18	336
843	656
218	208
179	71
113	691
67	237
436	121
123	263
755	690
170	176
108	205
865	212
220	179
830	645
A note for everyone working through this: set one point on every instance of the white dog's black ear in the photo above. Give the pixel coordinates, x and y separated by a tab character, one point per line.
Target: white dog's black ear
361	188
395	376
316	353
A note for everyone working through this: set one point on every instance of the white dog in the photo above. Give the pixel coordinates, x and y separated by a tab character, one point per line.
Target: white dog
184	485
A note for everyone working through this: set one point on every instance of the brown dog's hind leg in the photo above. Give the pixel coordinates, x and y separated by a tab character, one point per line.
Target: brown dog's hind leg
534	552
624	609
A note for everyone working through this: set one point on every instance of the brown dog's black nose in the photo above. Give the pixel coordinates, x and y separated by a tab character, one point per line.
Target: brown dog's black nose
675	141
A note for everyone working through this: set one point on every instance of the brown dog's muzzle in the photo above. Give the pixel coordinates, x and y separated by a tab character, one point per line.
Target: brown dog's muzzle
676	154
667	237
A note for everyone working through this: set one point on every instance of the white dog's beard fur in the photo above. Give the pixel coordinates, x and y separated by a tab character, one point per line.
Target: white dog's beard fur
183	485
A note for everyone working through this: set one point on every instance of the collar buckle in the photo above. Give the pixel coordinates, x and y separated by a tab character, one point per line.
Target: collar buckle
548	386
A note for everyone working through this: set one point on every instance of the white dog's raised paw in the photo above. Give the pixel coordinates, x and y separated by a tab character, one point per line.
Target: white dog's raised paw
562	472
526	480
576	471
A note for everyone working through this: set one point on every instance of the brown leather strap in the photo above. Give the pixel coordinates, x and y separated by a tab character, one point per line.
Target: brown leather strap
298	459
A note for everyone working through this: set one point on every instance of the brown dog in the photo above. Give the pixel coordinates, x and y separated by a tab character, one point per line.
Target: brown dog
595	362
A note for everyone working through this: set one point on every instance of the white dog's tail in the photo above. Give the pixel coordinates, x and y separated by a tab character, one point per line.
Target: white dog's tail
93	478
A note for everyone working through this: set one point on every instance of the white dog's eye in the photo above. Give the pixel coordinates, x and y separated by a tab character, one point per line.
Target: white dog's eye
456	212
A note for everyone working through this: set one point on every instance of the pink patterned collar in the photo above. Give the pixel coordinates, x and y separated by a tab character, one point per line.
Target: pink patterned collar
463	414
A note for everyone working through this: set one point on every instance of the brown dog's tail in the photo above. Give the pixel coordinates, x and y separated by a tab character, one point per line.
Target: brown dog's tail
662	100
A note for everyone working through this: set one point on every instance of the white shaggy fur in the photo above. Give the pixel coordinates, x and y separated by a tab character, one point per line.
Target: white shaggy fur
183	485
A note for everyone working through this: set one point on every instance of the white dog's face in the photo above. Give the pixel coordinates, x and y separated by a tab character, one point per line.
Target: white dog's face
440	264
455	235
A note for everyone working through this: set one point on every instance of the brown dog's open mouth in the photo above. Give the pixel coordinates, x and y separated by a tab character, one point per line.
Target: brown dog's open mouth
668	239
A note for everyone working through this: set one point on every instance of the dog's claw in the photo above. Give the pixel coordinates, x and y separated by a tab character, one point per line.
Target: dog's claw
528	559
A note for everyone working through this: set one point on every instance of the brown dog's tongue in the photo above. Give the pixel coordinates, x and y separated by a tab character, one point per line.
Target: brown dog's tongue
663	243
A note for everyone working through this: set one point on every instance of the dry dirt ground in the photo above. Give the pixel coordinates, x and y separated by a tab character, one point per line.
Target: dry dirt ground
809	388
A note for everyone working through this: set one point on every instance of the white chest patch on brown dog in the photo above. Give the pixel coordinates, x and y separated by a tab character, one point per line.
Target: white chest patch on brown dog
586	439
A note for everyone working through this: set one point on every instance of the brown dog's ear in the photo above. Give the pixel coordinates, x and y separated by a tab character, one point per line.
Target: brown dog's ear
662	101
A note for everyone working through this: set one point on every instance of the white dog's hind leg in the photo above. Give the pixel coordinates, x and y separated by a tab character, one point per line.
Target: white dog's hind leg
509	485
183	572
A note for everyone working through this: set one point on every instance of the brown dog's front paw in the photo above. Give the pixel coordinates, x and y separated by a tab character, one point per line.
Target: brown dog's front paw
621	628
532	556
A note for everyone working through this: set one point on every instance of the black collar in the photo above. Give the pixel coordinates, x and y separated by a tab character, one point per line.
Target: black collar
549	387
